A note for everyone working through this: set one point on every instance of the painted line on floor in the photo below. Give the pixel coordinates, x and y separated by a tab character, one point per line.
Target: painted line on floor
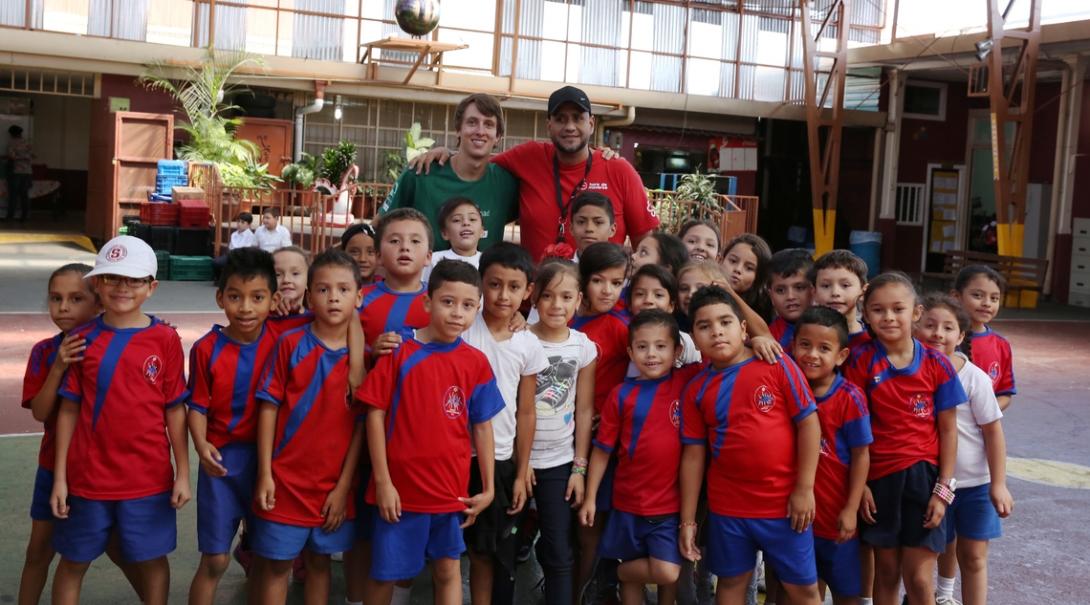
1049	472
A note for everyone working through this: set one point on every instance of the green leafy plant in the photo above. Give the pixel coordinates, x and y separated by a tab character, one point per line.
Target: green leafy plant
336	161
200	90
695	196
301	174
415	145
699	189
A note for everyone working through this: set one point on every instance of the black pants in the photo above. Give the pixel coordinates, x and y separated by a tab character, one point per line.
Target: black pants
555	551
18	195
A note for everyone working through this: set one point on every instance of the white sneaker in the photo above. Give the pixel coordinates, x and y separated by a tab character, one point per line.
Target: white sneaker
339	556
946	601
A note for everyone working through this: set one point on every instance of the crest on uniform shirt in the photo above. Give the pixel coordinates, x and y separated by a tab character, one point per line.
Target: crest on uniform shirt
764	399
153	366
675	413
116	253
921	405
824	448
453	402
993	371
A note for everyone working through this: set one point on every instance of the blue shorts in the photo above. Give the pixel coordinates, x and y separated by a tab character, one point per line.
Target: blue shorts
223	502
400	550
972	515
40	509
604	500
629	536
733	543
838	566
283	542
146	528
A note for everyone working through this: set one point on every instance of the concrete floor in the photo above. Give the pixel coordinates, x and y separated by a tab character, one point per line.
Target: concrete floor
1041	559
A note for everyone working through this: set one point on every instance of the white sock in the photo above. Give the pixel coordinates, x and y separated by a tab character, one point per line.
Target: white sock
866	601
401	595
944	587
347	602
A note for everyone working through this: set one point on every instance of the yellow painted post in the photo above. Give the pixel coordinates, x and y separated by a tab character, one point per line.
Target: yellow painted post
824	228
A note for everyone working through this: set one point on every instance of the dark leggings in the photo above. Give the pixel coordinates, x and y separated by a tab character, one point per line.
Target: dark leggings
18	195
555	552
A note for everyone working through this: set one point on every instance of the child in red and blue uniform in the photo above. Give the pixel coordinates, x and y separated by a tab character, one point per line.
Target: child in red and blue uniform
979	289
790	290
643	415
71	303
839	278
912	394
224	374
821	345
392	308
602	270
309	438
118	426
757	419
427	401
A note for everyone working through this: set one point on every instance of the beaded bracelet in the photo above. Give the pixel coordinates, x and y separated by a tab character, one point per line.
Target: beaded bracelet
687	524
577	461
577	469
944	493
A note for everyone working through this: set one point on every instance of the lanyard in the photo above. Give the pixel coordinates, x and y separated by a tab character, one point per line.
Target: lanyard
560	205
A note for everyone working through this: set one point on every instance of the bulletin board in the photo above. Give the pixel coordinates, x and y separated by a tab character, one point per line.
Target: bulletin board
945	188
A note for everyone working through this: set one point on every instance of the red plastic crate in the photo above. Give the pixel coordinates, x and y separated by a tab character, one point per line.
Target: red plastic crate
159	214
193	213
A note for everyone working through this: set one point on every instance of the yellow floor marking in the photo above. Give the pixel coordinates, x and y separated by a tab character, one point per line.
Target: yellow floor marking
15	237
1049	472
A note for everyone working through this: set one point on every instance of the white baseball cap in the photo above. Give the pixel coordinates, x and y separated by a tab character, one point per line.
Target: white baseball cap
126	256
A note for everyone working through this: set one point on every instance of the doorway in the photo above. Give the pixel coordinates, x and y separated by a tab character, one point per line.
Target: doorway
979	223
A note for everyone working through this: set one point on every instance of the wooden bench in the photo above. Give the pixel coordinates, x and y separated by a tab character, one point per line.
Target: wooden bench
1025	276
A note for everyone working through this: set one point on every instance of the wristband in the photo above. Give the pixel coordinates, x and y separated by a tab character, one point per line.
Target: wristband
577	461
579	470
687	524
944	493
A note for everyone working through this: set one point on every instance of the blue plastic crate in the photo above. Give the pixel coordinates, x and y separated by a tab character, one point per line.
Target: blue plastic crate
172	167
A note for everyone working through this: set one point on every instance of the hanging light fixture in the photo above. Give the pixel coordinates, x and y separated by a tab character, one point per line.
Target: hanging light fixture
338	113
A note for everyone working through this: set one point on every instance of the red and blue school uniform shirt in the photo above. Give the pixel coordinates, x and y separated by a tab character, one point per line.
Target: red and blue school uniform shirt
384	310
645	417
126	381
904	403
746	415
992	353
41	360
783	332
433	393
308	381
224	374
856	340
845	424
609	332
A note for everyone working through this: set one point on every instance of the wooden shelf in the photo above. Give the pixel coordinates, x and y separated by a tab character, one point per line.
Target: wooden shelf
429	50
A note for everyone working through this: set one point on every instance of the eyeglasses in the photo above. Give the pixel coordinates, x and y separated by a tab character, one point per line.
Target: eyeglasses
118	280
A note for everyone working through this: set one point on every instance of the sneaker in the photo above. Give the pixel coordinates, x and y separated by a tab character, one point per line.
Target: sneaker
943	600
245	558
298	571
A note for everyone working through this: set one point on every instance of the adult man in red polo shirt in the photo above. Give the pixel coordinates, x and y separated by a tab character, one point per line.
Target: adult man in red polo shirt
552	174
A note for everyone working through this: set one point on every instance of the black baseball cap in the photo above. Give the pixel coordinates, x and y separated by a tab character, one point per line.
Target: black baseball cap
568	94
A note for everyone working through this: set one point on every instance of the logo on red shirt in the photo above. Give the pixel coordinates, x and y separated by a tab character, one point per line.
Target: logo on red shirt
824	448
993	372
116	253
153	366
675	413
921	405
453	402
764	399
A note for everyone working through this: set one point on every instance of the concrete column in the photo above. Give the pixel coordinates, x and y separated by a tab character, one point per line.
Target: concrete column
1058	250
887	205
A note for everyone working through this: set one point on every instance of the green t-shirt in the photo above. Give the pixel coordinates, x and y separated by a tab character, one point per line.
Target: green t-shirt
496	193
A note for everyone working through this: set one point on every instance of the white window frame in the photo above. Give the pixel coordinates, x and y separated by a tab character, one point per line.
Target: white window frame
942	88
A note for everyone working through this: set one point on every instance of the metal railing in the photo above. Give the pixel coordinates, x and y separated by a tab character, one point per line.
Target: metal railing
735	215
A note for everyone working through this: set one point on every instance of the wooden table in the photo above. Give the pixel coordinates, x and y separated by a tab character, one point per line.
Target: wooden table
432	50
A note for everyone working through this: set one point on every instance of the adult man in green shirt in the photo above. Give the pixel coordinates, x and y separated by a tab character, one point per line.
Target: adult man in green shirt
479	122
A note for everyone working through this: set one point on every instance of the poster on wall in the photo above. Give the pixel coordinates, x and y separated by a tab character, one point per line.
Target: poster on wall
732	154
945	185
